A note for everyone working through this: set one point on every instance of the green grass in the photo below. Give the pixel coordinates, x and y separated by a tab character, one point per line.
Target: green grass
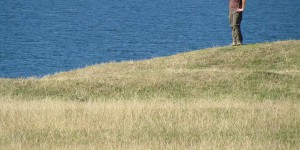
218	98
260	71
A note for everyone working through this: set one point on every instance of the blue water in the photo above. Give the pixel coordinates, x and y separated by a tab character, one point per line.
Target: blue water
41	37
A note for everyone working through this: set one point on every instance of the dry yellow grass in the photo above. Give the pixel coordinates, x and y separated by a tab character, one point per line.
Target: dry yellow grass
220	98
199	124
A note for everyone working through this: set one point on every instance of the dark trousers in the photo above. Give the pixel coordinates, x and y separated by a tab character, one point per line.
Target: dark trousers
235	19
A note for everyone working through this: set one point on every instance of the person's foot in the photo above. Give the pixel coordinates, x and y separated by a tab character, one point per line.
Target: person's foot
233	44
239	44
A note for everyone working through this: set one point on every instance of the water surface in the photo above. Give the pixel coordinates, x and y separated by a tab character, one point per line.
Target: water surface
41	37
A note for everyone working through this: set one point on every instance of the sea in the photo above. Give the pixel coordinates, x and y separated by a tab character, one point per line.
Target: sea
44	37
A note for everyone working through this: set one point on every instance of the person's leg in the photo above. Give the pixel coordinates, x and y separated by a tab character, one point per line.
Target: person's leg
237	33
232	24
235	22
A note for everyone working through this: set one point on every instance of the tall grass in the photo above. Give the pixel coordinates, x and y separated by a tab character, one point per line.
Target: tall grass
219	98
199	124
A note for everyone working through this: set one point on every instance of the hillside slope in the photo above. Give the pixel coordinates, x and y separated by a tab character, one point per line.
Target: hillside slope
267	71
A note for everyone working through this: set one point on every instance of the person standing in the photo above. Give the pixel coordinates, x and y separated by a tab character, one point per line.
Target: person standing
236	8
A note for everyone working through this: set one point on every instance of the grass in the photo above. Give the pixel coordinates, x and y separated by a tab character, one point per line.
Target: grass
199	124
218	98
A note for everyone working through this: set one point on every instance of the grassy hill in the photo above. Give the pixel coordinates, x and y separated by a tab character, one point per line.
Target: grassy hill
252	72
218	98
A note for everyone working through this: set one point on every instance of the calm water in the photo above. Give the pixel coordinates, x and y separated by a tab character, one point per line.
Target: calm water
40	37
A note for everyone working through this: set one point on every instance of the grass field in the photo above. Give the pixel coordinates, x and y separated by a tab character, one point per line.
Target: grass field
219	98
